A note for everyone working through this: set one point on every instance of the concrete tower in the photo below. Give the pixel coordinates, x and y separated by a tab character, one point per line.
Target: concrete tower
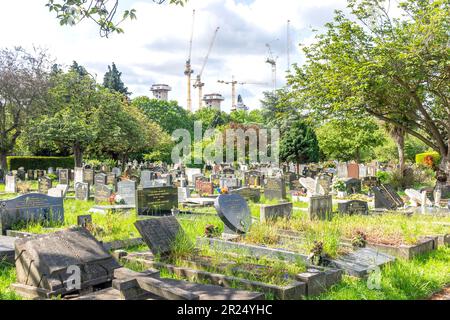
161	91
213	100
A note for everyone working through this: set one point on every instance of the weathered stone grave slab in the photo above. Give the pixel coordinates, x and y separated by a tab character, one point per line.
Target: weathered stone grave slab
352	185
100	178
44	262
31	207
273	212
64	176
44	184
55	192
233	210
10	183
88	176
7	249
159	233
183	194
320	207
275	188
102	193
156	201
354	207
387	198
82	191
353	170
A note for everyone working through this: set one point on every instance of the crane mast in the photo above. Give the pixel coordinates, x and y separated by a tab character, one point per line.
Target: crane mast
233	84
188	70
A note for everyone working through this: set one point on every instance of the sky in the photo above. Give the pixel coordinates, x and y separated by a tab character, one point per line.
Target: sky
154	48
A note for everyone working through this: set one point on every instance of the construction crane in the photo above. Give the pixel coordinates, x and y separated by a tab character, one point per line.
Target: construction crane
188	71
288	45
273	62
233	83
198	83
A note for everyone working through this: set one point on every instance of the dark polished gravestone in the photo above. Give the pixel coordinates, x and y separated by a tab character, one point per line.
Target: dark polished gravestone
44	184
31	207
386	198
102	193
64	176
160	233
157	201
251	194
233	210
275	188
126	189
354	207
82	191
48	261
352	185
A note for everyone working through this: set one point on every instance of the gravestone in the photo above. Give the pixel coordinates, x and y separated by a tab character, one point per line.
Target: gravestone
386	198
159	233
233	210
31	207
230	183
44	184
362	171
189	174
273	212
21	174
102	193
44	262
10	183
353	170
88	176
417	197
64	188
342	171
84	221
206	188
78	175
30	175
146	179
39	173
369	182
275	188
354	207
249	194
352	185
100	178
325	180
55	192
320	207
117	171
82	191
313	187
156	201
50	170
64	176
126	189
183	194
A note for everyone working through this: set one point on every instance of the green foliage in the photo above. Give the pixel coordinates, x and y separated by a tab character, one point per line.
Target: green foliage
383	176
420	158
112	80
350	139
299	144
43	163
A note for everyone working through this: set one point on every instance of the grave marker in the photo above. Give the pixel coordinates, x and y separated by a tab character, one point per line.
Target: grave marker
233	210
156	201
64	176
275	188
320	207
102	193
82	191
354	207
11	184
44	184
126	189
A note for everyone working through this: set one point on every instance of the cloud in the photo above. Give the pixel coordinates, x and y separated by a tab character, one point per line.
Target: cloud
154	47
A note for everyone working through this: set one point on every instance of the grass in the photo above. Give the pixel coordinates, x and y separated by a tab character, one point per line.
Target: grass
7	277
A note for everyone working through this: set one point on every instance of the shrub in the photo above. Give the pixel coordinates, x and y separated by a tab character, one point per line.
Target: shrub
383	176
428	158
42	163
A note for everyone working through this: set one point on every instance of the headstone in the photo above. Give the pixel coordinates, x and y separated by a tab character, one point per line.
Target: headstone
275	188
44	184
354	207
78	175
160	233
189	174
126	189
102	193
230	183
342	171
183	194
386	198
325	180
88	176
416	198
64	176
30	175
369	182
11	184
64	188
353	170
82	191
21	174
100	178
156	201
312	186
45	262
146	179
352	185
249	194
320	207
233	210
39	173
31	207
362	171
116	171
84	221
54	192
273	212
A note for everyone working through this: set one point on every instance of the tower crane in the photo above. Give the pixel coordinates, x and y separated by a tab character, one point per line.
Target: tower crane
198	83
233	83
273	62
188	70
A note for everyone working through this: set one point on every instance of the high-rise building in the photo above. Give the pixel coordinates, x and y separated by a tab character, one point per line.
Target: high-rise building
161	91
213	100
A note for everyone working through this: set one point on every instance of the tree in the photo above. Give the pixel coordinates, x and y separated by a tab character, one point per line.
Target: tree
349	139
69	120
398	135
167	114
394	69
112	80
23	84
299	144
80	70
102	12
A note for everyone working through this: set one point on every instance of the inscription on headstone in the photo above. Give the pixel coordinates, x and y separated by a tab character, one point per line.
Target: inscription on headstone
275	188
64	176
354	207
156	201
233	210
44	184
82	191
102	193
126	189
320	207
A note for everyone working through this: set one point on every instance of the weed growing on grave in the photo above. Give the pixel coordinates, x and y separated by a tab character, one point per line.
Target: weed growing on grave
7	277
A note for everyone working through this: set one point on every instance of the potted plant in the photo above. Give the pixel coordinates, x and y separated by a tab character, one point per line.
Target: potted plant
341	188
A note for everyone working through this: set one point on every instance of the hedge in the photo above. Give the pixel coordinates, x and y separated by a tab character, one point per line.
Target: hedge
420	158
43	163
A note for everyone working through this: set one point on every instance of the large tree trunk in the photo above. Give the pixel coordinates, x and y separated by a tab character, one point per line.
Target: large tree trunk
398	135
3	163
78	155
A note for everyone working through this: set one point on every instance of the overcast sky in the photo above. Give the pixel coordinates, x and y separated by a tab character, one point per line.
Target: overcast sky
154	47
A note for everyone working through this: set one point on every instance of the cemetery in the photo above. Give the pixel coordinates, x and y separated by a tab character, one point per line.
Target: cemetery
333	186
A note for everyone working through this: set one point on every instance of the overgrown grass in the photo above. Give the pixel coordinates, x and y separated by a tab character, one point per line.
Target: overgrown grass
7	277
